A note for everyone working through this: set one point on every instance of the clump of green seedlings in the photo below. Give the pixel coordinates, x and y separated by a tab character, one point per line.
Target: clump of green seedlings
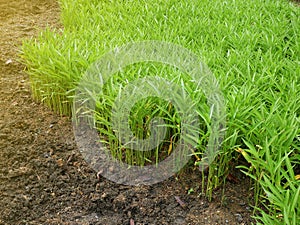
253	49
144	111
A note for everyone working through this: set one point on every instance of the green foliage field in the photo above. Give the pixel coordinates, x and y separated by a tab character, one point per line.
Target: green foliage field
252	48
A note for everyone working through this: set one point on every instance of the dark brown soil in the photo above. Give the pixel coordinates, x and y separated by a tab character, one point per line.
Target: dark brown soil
43	178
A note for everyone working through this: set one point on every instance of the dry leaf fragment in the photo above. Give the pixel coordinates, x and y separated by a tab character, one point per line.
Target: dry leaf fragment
181	203
9	61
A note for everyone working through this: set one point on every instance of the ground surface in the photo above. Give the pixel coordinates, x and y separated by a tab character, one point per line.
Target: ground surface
43	178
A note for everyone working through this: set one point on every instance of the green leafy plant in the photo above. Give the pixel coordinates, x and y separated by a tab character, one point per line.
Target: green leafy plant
253	49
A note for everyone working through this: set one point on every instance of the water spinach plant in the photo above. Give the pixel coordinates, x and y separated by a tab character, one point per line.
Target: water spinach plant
252	48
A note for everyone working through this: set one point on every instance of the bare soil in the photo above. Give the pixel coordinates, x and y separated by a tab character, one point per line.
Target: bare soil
44	179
